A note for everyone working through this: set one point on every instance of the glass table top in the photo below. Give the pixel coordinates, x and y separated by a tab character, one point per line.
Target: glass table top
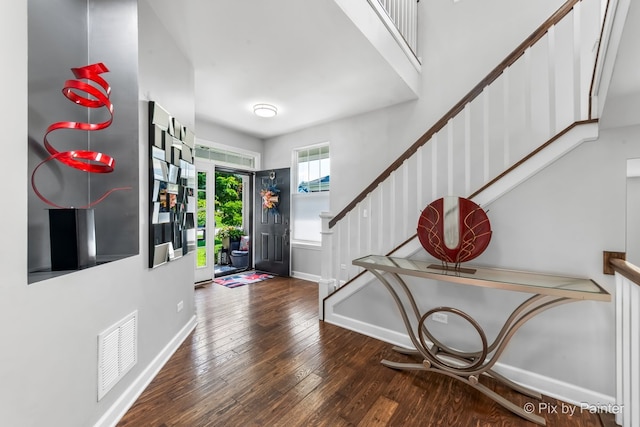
521	281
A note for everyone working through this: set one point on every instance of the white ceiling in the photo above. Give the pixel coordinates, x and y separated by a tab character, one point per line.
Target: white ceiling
305	57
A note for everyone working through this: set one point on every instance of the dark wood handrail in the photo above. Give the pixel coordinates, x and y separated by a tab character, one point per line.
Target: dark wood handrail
530	155
477	90
626	269
481	189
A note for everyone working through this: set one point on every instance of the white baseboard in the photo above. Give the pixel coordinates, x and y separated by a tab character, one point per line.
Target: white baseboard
305	276
551	387
373	331
131	394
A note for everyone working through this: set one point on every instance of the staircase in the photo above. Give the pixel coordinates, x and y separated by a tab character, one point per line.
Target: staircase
537	105
530	110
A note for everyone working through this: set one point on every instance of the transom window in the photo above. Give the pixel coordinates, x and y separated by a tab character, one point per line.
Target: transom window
226	157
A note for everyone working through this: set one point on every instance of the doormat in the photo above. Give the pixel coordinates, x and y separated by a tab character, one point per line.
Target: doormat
242	279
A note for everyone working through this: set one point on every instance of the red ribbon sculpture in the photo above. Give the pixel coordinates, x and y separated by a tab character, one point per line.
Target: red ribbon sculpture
84	160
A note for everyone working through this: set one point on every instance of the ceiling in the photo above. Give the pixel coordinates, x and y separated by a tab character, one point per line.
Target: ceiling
305	57
308	59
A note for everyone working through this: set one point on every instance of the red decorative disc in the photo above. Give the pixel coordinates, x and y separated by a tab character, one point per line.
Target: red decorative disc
454	229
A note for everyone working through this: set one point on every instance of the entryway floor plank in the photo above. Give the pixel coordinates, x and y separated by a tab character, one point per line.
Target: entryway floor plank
260	357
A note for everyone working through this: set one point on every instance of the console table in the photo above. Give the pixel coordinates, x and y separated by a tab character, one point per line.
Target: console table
548	291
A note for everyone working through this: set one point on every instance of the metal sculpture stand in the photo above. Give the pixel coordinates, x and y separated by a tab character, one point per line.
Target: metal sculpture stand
468	367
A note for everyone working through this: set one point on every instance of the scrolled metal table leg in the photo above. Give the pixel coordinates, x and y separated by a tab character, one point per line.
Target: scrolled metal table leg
513	385
403	311
472	381
404	366
507	404
471	364
407	351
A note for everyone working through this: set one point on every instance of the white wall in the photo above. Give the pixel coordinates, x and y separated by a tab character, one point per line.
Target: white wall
305	261
49	330
166	75
15	302
217	133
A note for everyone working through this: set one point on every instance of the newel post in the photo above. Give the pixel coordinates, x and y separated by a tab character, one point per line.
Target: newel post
326	283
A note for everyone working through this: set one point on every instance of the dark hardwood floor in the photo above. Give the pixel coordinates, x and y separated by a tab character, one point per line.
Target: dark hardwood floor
259	356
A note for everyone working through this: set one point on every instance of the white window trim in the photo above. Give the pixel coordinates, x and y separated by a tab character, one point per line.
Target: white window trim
257	156
294	170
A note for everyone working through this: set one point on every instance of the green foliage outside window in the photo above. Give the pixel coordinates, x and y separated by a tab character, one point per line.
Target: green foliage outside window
202	213
228	203
227	211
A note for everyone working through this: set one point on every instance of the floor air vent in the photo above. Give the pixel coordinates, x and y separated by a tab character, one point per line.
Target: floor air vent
117	352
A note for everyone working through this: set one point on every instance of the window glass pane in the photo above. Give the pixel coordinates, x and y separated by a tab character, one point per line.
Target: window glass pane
325	165
313	169
202	153
314	154
303	156
236	160
306	216
202	180
202	248
303	177
202	200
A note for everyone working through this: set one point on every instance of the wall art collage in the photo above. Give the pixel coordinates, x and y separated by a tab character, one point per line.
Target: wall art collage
172	179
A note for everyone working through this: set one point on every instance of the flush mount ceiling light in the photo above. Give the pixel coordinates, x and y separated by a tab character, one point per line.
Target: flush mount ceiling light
265	110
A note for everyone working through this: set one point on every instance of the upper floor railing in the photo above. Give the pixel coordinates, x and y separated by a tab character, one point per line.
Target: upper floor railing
401	18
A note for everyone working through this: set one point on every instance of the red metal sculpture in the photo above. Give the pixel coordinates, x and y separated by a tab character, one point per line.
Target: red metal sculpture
85	160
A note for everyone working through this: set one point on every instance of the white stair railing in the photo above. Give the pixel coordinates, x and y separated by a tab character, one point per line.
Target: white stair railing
543	92
627	351
401	18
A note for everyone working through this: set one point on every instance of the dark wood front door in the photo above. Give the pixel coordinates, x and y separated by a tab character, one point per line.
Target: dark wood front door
272	225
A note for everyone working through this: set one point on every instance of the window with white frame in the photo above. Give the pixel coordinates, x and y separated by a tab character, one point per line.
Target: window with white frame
311	191
312	166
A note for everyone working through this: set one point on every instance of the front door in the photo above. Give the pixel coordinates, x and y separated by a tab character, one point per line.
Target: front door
272	221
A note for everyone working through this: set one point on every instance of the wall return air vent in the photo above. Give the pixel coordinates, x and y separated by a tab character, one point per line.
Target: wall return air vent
117	352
